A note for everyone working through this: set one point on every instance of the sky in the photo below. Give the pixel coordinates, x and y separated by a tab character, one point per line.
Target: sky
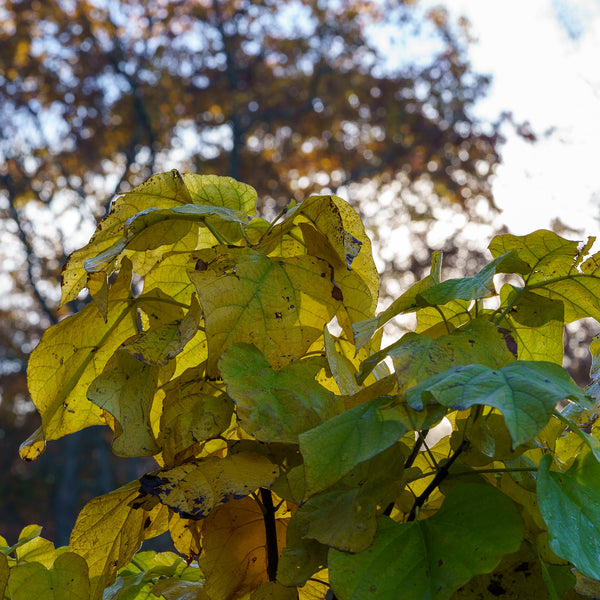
544	58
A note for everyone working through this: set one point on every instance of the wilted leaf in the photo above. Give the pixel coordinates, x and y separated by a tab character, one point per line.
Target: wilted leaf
276	406
432	558
126	390
195	488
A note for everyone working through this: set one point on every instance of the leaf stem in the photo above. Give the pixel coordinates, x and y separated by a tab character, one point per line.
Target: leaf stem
435	482
270	533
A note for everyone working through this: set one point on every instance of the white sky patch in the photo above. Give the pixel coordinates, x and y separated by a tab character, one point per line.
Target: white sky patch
543	56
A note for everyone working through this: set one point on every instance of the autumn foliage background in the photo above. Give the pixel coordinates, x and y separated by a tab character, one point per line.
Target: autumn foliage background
291	97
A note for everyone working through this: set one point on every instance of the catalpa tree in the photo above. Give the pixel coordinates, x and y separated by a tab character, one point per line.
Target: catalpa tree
293	453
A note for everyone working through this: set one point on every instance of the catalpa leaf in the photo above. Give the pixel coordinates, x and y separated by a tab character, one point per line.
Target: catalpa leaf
72	353
417	357
193	411
67	579
161	344
570	505
558	271
108	532
221	191
195	488
332	449
536	324
234	560
164	190
278	305
524	392
407	302
276	406
126	390
431	558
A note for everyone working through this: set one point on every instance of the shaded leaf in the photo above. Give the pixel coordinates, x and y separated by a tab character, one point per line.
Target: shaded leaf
126	390
570	505
234	560
475	527
66	580
332	449
524	392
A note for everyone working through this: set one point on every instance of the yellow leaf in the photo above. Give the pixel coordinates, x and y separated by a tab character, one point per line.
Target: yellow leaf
278	305
4	572
108	532
186	535
97	284
195	488
158	346
66	580
126	390
33	446
221	191
72	354
38	550
193	411
234	560
164	190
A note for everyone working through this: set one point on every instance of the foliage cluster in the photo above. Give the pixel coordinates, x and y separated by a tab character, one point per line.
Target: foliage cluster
294	453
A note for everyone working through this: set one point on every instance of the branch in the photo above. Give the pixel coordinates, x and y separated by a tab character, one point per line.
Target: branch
271	533
7	181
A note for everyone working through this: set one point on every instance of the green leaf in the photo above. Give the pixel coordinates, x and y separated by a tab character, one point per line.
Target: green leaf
417	357
472	288
332	449
108	532
195	488
524	392
407	302
475	527
66	580
72	354
126	390
279	305
345	515
276	406
558	271
570	505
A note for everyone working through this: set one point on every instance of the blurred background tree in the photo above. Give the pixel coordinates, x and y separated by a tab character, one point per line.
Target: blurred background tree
369	99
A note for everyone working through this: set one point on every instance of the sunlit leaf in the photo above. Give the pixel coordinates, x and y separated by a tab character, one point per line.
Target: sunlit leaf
431	558
108	532
280	306
126	390
276	406
72	354
164	190
221	191
195	488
